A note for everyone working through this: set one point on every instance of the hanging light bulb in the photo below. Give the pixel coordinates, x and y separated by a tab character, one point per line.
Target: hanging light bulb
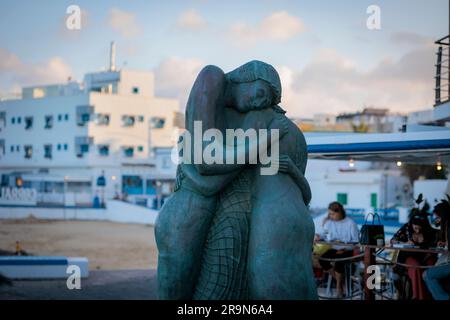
399	163
438	166
351	163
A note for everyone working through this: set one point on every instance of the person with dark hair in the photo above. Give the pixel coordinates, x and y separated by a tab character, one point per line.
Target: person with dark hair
441	212
437	278
417	232
337	227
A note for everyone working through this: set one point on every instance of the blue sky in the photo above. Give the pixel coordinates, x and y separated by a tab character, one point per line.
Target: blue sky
328	60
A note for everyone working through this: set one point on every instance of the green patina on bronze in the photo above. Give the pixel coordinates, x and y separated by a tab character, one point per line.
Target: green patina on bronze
228	232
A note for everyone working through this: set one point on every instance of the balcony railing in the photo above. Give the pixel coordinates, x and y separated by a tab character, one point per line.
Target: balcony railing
442	88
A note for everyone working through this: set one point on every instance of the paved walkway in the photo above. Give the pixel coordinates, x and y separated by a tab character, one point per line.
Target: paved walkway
117	284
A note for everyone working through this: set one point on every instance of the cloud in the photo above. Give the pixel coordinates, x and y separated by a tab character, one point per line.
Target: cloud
123	22
278	26
410	38
191	20
175	76
8	60
334	84
331	83
18	73
281	26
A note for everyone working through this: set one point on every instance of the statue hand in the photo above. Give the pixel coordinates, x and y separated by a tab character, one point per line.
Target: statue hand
281	123
284	163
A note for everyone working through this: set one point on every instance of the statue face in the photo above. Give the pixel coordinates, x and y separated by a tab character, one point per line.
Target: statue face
251	95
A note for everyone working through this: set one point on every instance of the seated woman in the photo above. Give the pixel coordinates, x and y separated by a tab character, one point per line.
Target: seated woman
338	227
437	278
418	232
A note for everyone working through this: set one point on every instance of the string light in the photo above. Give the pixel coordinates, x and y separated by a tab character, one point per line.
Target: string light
399	163
351	163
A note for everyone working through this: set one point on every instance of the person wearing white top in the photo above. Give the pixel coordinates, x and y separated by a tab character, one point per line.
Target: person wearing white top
337	227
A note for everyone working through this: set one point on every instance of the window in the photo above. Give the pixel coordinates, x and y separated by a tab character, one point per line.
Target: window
79	187
128	152
150	187
28	123
17	148
82	145
48	151
48	122
342	198
19	120
2	148
135	90
28	151
12	148
3	117
157	122
140	148
84	148
13	120
132	185
59	117
58	147
83	114
141	118
85	117
128	121
66	117
102	119
103	150
66	147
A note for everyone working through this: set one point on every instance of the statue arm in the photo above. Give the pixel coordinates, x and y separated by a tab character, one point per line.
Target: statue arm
247	151
288	166
207	185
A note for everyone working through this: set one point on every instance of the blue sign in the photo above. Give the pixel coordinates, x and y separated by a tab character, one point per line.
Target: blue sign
101	181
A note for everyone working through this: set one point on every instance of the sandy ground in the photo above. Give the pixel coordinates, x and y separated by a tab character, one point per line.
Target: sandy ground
107	245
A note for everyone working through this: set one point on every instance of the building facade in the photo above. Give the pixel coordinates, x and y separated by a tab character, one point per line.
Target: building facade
81	143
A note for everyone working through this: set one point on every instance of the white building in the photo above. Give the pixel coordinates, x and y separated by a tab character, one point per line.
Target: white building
359	186
59	139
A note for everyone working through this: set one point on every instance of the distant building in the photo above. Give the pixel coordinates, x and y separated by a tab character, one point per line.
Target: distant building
60	139
321	122
369	120
373	120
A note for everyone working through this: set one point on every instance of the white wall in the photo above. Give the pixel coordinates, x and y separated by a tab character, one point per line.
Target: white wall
327	181
116	211
433	190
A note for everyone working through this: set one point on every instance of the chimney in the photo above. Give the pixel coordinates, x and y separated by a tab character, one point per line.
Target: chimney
112	57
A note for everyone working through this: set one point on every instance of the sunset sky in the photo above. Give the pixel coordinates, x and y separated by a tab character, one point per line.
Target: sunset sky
327	58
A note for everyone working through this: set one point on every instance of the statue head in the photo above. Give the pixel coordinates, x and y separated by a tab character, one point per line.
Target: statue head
254	85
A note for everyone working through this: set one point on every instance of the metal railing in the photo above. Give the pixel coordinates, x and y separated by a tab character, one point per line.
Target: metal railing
442	78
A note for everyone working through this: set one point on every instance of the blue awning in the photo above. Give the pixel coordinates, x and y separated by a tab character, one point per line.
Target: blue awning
414	147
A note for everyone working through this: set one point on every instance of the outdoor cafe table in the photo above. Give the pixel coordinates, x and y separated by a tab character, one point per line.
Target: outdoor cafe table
369	257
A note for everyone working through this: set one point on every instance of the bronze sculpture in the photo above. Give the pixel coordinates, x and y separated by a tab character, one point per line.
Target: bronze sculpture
227	227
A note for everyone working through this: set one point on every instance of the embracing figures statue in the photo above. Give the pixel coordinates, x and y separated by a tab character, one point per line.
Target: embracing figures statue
229	231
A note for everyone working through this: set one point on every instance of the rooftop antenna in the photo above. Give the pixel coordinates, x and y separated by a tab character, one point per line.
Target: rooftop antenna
112	57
